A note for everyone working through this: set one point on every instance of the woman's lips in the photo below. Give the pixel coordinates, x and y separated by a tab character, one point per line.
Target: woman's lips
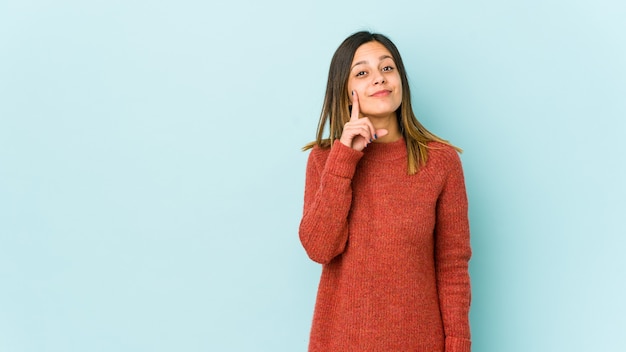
381	93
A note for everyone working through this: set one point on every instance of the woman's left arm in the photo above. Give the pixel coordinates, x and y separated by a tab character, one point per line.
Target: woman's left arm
452	255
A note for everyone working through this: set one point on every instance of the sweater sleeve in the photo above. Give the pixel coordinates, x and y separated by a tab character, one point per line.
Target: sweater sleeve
452	255
327	200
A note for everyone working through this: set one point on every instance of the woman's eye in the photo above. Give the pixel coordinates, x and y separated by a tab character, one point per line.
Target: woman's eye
361	73
387	68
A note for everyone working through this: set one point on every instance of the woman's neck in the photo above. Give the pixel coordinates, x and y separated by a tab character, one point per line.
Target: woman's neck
390	123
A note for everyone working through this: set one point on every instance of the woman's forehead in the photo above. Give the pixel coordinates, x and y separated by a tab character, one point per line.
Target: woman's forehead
371	51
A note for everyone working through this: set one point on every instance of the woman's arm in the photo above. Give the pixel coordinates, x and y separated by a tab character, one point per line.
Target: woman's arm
327	200
452	255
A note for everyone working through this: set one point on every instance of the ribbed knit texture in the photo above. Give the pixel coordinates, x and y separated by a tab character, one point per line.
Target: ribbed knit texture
394	248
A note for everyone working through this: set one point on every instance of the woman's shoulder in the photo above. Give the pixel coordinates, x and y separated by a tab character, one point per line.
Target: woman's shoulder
319	151
318	155
443	154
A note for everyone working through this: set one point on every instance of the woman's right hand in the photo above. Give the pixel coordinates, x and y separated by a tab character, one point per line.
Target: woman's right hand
359	132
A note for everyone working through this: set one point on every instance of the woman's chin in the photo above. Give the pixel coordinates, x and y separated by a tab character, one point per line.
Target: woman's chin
379	111
379	114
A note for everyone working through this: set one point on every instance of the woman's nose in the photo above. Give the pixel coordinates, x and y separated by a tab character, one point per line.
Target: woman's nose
379	78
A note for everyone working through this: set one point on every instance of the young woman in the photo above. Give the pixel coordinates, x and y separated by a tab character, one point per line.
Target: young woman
385	212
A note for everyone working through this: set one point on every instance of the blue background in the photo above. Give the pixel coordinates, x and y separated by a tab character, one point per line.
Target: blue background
151	180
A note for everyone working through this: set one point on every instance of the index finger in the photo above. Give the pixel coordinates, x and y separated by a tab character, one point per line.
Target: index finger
355	107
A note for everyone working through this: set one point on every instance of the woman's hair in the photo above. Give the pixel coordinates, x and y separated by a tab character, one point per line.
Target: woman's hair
336	108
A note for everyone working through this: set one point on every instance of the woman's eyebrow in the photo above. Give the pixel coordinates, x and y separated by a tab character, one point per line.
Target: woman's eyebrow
379	59
359	63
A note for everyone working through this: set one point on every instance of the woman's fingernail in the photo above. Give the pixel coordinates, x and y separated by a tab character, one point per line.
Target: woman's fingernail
352	92
370	140
375	136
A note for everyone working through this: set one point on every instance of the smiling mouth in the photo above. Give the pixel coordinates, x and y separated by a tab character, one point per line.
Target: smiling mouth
381	93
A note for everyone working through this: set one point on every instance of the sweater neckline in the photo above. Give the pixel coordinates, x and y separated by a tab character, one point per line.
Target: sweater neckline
386	151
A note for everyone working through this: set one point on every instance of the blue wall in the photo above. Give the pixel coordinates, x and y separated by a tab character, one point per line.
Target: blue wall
151	180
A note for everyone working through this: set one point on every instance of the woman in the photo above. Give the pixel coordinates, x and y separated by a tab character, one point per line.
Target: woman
385	212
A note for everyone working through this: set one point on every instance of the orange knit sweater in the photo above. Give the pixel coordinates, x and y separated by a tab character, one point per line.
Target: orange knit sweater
394	247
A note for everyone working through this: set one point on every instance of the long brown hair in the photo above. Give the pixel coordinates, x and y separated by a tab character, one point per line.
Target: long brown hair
336	108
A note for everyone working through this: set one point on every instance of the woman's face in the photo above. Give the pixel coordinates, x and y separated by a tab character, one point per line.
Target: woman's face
375	78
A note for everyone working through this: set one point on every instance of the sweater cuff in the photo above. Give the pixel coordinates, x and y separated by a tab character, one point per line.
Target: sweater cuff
342	160
458	344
